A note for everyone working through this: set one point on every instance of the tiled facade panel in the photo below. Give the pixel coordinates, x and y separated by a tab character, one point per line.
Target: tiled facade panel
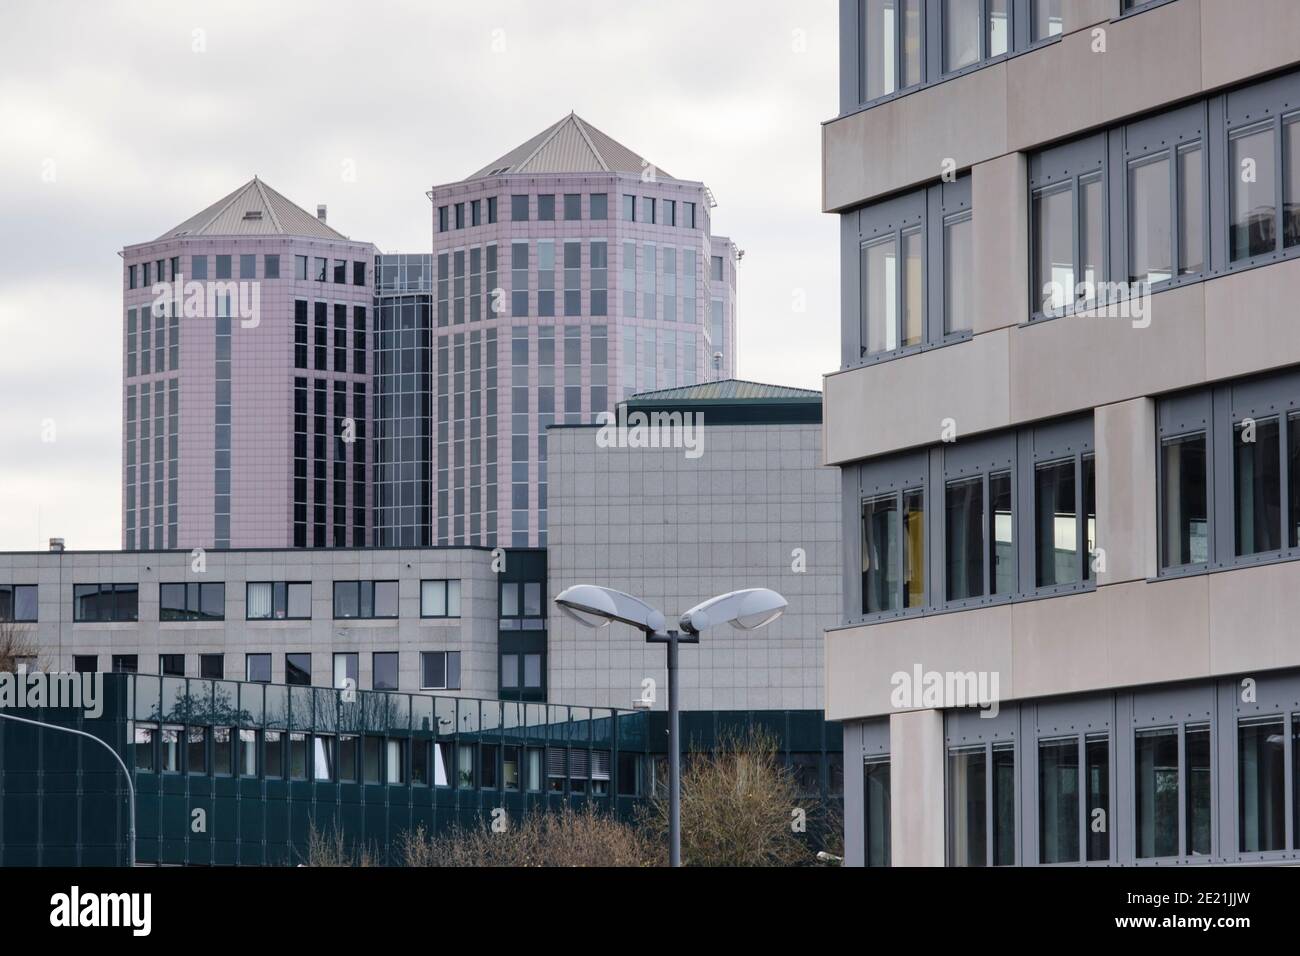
674	530
474	634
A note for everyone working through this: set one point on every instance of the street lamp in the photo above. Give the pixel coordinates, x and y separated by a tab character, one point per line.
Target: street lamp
747	610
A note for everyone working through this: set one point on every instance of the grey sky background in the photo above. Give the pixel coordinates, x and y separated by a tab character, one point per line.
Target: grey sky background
114	127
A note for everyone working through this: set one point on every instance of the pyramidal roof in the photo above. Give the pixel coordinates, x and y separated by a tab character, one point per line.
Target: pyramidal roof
254	209
570	146
728	390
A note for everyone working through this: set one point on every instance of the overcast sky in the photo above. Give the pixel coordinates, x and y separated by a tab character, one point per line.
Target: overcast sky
119	120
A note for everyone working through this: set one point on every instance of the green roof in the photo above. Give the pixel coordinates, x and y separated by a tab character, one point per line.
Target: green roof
728	390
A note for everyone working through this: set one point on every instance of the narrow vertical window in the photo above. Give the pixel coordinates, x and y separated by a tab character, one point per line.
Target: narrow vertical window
880	296
1097	760
875	791
1156	793
914	548
1200	798
967	808
1150	250
961	33
1257	486
1191	211
1184	513
912	44
1253	194
1058	801
1046	19
958	275
1004	804
964	539
880	532
1091	236
1002	551
913	287
1057	524
1261	785
999	28
879	32
1053	249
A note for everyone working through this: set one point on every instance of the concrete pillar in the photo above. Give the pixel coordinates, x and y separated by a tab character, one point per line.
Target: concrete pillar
1124	435
916	794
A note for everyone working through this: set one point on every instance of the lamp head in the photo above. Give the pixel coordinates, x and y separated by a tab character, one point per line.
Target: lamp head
594	606
745	610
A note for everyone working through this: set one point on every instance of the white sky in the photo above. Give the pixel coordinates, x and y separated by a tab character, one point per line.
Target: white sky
138	131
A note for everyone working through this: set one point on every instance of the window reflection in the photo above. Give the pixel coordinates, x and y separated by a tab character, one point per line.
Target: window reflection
1150	250
1097	820
958	275
1058	800
1257	486
1156	792
1253	193
879	554
967	808
875	789
1053	239
1184	519
880	295
1261	784
1057	524
964	539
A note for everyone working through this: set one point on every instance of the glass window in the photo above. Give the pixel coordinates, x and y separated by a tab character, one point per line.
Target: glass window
1257	486
880	295
347	599
913	287
599	205
1293	476
1261	784
1092	219
875	787
882	71
998	38
298	605
961	33
248	753
1097	758
346	669
370	762
385	599
509	671
1053	249
222	752
1002	550
546	207
1185	537
532	670
1057	524
1150	247
1191	211
964	539
395	761
146	737
1046	19
271	267
958	275
1058	801
488	766
1200	801
322	758
572	206
385	671
510	768
196	749
1004	804
1253	195
519	208
273	754
629	208
1156	793
171	750
297	669
420	762
967	808
880	546
258	668
347	758
465	767
433	670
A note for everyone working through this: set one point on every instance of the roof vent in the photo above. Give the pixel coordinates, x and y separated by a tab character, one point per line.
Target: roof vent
320	212
253	214
56	545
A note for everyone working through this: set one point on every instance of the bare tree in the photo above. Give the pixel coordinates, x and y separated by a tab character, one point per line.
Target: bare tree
330	849
18	646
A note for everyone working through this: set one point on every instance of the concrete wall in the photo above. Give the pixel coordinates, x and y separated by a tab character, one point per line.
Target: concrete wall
1056	91
676	531
474	633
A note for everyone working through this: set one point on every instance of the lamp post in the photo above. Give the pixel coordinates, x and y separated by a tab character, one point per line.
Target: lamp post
747	610
130	787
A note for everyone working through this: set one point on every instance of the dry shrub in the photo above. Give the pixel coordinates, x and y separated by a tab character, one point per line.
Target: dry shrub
567	837
17	641
331	850
737	807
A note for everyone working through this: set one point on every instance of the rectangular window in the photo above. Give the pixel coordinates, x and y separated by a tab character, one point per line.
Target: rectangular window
1056	522
85	663
223	761
893	552
629	208
196	749
519	279
465	767
880	295
322	270
171	665
964	539
271	267
1046	19
1053	249
491	209
365	599
958	275
385	671
1097	820
572	206
125	663
967	808
322	758
1261	784
440	598
105	602
371	753
875	793
300	268
440	670
1184	516
18	603
278	601
961	33
297	756
358	273
171	750
891	47
1150	219
247	267
1002	550
347	670
599	205
1200	800
223	267
297	669
546	207
519	208
192	601
1191	211
212	666
1253	196
257	668
1058	800
1257	486
1156	793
